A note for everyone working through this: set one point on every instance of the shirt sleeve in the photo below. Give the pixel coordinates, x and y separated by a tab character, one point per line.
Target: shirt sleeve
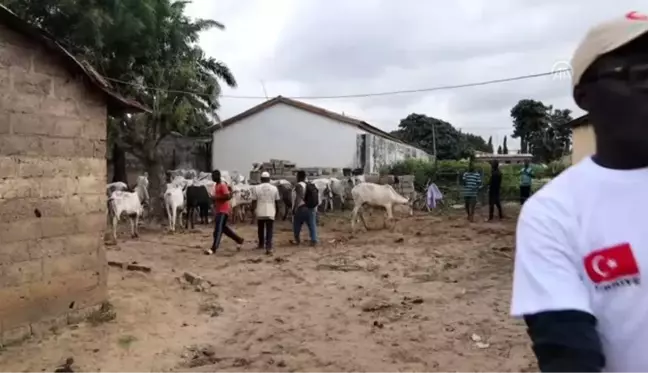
277	196
547	275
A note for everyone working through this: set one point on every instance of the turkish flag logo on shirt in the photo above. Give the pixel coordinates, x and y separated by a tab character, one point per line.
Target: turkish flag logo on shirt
611	263
636	16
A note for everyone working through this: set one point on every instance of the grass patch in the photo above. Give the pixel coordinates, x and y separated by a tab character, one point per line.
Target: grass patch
106	313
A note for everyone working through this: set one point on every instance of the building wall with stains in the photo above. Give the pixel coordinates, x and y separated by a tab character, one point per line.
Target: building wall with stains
52	192
375	152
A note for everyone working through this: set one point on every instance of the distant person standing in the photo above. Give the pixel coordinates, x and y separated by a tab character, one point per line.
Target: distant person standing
305	208
265	197
494	189
471	184
222	209
526	179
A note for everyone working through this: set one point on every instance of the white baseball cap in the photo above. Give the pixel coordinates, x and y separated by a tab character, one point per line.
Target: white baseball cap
605	38
265	174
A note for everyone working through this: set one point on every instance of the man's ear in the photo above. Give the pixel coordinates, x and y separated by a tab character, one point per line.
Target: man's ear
581	97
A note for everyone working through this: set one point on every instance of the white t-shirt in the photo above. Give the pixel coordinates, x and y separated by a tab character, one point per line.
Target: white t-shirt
266	195
581	243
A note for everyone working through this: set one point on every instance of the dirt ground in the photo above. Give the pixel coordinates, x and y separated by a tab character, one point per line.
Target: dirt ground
430	295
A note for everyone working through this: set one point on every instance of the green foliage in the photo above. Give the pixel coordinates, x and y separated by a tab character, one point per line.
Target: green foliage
142	43
447	175
421	130
542	130
148	49
505	147
490	150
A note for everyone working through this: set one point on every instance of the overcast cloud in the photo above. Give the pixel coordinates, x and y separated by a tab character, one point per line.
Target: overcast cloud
338	47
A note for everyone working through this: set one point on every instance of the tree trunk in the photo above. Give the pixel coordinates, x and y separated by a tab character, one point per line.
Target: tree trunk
157	180
119	164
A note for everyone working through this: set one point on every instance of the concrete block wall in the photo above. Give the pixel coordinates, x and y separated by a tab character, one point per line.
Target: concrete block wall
52	192
376	152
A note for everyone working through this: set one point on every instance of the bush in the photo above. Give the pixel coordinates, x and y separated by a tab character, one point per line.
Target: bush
447	175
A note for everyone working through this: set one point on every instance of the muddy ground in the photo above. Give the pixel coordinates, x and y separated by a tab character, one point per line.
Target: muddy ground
430	295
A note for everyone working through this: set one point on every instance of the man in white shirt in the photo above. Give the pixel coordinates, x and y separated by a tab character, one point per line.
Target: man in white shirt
265	197
582	239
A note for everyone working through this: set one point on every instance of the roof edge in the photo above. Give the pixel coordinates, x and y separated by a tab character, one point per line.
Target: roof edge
313	110
579	122
114	100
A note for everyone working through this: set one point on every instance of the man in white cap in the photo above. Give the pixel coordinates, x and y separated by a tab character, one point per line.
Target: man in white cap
582	239
265	198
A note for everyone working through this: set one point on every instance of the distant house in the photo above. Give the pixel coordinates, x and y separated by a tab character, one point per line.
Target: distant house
53	112
583	138
283	128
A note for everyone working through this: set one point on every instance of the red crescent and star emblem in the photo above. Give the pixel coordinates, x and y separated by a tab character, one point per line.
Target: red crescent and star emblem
636	16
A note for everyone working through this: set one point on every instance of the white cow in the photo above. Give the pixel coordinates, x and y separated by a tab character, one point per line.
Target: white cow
324	192
113	187
174	202
378	196
129	203
281	182
241	200
339	189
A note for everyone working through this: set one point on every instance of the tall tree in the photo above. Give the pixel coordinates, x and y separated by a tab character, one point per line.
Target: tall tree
151	47
419	129
504	146
529	119
499	149
553	141
490	145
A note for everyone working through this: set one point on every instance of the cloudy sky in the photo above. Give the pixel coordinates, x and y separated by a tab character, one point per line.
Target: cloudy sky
339	47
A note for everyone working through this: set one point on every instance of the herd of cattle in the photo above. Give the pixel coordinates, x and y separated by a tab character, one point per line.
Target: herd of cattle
189	192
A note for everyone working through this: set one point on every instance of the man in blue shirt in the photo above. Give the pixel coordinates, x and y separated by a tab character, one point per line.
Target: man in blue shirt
526	178
471	184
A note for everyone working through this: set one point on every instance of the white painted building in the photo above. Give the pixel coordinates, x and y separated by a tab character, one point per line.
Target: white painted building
282	128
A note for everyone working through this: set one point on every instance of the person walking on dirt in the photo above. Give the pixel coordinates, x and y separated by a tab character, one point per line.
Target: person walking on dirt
265	198
305	208
526	179
494	188
222	209
582	241
471	184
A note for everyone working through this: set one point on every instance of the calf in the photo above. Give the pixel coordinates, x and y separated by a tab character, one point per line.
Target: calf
241	200
198	198
324	192
285	193
378	196
173	203
113	187
339	189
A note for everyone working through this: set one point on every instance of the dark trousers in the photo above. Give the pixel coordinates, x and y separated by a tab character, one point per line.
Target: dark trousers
494	201
305	215
469	204
525	193
221	228
264	229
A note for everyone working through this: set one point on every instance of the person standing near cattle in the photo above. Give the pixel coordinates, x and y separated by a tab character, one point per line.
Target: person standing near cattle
265	198
222	209
581	241
305	208
494	188
526	180
471	184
